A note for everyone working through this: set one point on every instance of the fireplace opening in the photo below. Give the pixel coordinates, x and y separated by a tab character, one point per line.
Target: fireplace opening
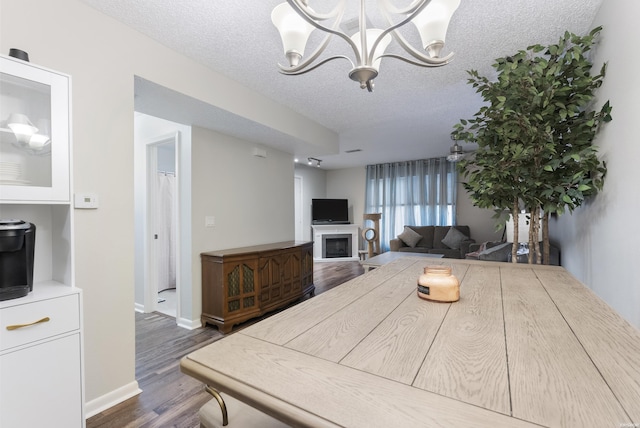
334	246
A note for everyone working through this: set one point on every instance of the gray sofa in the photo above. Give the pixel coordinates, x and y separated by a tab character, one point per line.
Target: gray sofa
430	240
501	252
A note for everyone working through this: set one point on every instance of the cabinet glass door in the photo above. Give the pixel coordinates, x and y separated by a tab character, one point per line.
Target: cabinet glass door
34	133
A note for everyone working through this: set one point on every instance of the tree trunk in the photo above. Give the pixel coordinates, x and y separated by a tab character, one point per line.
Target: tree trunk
532	250
535	236
531	240
545	237
514	245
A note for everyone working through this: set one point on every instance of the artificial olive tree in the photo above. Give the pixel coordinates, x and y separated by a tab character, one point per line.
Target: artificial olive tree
535	134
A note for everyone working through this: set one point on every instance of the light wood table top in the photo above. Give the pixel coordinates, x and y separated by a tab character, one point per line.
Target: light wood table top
389	256
525	346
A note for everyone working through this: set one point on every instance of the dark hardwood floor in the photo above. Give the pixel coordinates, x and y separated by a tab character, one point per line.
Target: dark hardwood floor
170	398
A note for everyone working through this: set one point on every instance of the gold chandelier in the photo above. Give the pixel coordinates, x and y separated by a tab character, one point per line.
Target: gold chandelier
296	20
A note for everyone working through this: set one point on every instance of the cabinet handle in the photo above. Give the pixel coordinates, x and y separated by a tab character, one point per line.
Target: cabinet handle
17	326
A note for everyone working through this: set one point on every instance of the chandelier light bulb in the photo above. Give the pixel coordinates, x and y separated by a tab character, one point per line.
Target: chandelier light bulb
294	31
372	35
366	73
432	24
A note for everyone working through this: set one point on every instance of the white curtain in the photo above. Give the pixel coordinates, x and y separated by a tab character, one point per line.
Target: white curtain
165	229
416	193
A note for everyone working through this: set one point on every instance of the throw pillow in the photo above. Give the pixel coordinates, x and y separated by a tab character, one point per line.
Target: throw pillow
454	238
410	237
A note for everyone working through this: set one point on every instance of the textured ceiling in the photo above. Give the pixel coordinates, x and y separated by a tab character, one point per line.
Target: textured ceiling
412	110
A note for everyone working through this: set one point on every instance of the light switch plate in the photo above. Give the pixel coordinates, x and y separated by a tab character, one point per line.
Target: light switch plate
209	221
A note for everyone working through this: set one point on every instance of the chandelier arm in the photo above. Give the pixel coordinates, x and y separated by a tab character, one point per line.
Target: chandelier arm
313	18
418	4
363	36
299	5
387	8
431	63
297	71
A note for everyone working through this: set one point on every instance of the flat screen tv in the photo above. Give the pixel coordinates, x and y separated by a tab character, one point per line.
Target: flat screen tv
329	211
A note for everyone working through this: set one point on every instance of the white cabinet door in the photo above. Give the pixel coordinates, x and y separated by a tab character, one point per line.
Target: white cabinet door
41	386
34	133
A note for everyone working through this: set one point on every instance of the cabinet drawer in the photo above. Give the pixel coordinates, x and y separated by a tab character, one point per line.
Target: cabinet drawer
63	313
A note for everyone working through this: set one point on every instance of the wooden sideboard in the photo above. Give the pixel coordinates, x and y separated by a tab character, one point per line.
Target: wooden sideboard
243	283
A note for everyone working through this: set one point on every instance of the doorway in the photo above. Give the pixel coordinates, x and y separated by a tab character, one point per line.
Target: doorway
162	285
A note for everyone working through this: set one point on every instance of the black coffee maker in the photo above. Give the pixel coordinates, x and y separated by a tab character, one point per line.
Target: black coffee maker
17	244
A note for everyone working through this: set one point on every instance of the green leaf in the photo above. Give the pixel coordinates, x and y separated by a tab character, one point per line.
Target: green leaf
536	127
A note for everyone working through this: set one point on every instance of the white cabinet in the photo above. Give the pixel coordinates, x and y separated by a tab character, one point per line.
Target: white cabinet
41	362
35	162
41	343
34	133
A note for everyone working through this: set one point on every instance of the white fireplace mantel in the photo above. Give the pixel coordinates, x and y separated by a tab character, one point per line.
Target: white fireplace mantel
335	229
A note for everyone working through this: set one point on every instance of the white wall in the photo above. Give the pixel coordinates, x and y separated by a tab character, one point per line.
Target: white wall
250	197
349	183
103	56
314	185
599	240
479	220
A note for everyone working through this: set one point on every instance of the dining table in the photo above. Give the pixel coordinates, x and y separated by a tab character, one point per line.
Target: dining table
526	345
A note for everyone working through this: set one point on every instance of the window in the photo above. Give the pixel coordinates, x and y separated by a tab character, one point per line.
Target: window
421	192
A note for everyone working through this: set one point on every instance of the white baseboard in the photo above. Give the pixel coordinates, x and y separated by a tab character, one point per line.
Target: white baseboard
110	399
181	322
189	324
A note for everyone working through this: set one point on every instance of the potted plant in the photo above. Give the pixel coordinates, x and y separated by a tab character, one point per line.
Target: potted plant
535	134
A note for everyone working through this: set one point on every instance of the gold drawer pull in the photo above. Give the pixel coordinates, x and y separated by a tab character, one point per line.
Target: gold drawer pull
17	326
